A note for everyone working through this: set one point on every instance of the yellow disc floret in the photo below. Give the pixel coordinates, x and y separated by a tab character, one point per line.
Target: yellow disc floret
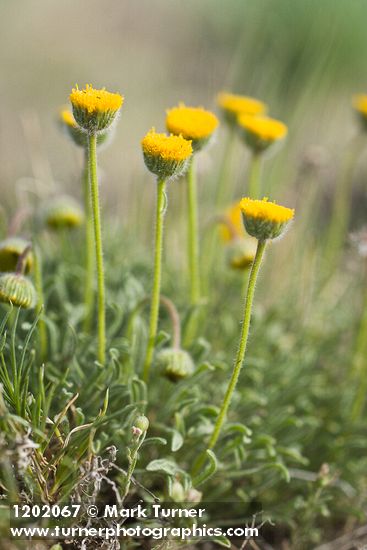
94	110
164	155
193	123
261	131
263	219
93	100
233	105
167	147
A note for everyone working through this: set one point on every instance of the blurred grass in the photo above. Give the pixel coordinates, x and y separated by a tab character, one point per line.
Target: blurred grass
304	58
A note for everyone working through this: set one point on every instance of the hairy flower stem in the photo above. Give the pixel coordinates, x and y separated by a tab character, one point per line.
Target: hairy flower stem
359	366
154	306
254	187
93	180
132	455
38	281
89	250
240	354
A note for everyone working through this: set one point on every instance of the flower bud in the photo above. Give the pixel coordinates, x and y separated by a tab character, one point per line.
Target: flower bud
265	220
18	290
63	212
166	156
177	492
142	423
10	250
95	110
194	496
136	431
175	364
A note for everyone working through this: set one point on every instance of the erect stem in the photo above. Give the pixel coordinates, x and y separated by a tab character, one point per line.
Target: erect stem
222	195
254	187
193	234
38	281
359	365
338	225
92	167
154	307
89	249
132	455
240	353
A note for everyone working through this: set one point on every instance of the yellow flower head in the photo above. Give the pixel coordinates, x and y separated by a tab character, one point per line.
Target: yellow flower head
94	110
232	228
261	131
360	105
193	123
263	219
166	156
18	290
233	105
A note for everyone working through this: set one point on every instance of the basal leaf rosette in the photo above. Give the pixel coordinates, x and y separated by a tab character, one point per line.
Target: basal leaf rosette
193	123
260	132
95	110
233	105
265	220
166	156
18	290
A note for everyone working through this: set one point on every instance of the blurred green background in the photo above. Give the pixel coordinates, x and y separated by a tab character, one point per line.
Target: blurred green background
303	57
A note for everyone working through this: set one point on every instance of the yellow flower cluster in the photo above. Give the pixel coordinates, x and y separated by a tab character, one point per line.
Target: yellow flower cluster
238	104
266	211
193	123
93	101
171	148
265	128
